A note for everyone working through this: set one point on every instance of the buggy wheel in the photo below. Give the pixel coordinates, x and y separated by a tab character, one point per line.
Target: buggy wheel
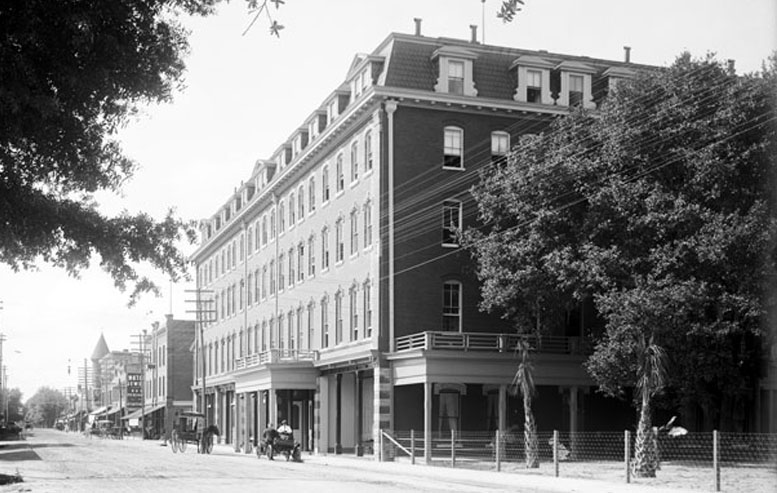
270	452
174	441
181	444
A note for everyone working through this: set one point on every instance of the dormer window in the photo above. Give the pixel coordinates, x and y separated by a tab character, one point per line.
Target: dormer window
533	75
455	71
575	84
456	77
331	111
615	75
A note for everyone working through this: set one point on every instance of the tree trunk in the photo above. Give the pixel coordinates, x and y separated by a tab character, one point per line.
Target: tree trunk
531	446
645	460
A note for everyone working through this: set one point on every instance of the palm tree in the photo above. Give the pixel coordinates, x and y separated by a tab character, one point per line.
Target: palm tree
651	376
523	382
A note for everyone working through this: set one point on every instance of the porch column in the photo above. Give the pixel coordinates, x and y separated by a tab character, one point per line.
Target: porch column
428	422
502	408
382	405
217	413
237	437
338	415
273	407
573	421
247	422
321	415
357	415
261	416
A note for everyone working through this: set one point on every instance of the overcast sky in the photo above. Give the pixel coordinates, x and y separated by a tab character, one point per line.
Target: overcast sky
246	94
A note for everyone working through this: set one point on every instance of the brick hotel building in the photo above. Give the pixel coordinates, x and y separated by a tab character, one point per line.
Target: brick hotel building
336	292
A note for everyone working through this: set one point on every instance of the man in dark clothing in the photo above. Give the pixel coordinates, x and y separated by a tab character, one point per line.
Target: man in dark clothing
268	437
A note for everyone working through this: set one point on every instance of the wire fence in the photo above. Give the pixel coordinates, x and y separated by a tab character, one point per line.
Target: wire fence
711	461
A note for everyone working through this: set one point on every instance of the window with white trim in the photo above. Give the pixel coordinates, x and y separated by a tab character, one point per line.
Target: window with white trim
533	86
339	241
339	177
500	146
301	262
281	271
451	306
575	90
311	256
354	312
292	261
367	223
354	161
324	248
324	322
292	210
325	185
367	297
368	151
451	222
264	282
354	231
301	202
312	193
453	148
455	77
272	277
338	317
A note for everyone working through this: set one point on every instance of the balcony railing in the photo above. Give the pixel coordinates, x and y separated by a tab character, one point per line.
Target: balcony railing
476	341
276	356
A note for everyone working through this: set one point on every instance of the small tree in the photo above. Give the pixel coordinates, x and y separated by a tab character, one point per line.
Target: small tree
523	382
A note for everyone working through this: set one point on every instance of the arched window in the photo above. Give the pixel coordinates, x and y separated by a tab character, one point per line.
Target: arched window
368	151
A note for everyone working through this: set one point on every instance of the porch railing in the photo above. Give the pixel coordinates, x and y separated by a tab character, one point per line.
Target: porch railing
477	341
276	356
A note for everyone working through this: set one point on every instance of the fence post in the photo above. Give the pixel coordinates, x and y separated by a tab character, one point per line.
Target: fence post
380	446
498	450
555	451
412	447
453	448
627	454
716	458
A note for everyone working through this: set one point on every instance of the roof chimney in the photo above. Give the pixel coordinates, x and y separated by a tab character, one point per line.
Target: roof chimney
474	29
731	66
627	54
417	21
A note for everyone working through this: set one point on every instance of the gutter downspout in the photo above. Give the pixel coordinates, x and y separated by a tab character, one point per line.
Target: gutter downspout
391	107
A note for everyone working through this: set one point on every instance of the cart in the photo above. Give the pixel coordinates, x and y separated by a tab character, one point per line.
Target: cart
191	428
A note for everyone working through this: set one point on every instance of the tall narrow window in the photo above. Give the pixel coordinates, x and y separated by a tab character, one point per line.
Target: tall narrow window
264	230
533	86
290	330
292	261
367	224
451	306
312	194
281	272
367	295
575	90
455	77
249	289
264	335
500	145
257	287
301	202
453	148
281	216
354	161
292	210
354	231
264	281
338	317
272	277
339	241
273	231
324	322
301	262
241	248
271	343
311	256
353	313
325	248
368	151
325	184
241	290
258	235
451	222
339	176
311	325
250	240
281	333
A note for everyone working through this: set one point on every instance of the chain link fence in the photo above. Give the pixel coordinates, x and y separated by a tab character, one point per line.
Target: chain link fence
704	461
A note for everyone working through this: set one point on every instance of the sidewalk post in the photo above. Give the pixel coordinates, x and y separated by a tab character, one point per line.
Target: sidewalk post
453	448
555	451
498	450
380	446
627	454
412	447
716	458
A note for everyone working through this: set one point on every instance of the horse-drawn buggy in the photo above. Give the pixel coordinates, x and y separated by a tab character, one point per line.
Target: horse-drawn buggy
280	443
191	428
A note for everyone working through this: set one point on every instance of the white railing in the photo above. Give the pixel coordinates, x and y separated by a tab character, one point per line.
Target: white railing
276	356
476	341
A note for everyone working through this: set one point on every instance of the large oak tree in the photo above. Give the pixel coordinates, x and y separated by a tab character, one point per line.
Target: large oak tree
659	207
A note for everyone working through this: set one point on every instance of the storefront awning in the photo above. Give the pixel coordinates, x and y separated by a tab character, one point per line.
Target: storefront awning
149	410
98	411
113	411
